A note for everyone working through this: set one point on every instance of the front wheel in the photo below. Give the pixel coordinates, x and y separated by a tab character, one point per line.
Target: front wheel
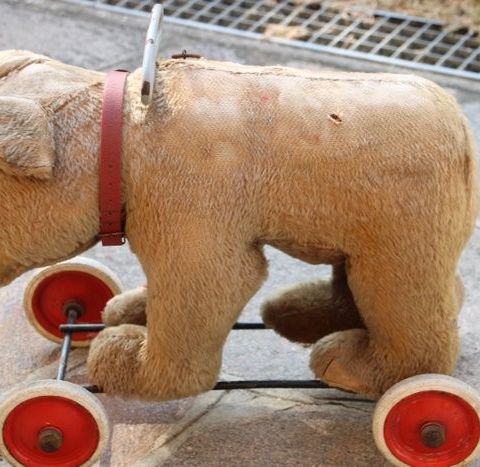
81	281
52	423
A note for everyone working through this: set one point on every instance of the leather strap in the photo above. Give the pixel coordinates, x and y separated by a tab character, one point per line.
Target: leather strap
111	225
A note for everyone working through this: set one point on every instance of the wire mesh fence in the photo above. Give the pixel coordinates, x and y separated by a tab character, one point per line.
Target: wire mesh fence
382	36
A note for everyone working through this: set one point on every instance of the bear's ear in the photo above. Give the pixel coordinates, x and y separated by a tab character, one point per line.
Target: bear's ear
27	147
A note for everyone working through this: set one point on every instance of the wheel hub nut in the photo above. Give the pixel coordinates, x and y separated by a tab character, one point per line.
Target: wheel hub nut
50	439
73	306
433	434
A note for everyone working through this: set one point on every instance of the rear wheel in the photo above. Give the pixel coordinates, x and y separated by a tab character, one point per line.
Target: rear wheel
428	421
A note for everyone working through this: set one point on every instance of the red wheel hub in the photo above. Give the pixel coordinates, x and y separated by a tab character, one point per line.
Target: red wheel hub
24	424
53	292
404	423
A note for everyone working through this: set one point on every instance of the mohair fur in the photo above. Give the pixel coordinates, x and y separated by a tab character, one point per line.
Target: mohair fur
372	173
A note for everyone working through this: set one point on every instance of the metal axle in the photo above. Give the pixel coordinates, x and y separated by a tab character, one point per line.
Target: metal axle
252	384
71	327
73	311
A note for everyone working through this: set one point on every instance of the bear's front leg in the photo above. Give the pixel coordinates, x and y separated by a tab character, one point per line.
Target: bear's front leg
193	300
123	361
115	358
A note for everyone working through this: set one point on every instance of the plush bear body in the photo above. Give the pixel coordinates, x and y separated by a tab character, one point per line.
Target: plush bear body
372	173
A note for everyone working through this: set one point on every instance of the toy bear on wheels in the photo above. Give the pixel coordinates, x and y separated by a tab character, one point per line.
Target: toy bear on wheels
373	174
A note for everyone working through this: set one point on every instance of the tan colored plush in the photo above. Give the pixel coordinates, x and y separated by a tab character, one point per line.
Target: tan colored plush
372	173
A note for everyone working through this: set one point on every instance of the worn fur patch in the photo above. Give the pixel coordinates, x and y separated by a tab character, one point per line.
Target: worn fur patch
16	60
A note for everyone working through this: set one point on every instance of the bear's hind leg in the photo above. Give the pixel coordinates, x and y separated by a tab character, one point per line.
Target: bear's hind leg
307	312
410	311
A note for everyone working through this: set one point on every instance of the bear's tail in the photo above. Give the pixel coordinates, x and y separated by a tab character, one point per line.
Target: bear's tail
471	176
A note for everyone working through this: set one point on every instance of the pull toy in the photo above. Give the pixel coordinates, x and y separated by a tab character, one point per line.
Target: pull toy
423	421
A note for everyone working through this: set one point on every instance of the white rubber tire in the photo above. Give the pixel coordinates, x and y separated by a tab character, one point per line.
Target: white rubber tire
87	265
413	385
30	390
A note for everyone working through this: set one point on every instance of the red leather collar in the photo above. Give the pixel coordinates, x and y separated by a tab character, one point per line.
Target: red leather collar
111	224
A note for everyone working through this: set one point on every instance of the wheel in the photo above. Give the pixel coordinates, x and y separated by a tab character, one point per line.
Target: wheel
428	420
82	281
52	423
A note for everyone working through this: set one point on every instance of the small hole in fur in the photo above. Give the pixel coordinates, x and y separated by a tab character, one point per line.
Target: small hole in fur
335	119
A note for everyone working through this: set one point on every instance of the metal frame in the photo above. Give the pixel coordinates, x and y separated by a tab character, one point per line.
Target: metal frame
70	328
386	37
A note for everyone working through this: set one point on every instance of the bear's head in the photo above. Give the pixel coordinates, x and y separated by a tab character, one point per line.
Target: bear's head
48	182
